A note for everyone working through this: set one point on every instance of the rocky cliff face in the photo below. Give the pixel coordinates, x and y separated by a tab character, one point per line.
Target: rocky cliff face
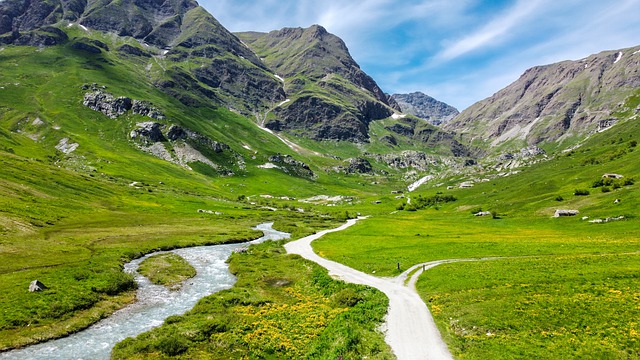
330	96
425	107
555	102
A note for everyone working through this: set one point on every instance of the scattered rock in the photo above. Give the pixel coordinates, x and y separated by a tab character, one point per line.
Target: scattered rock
560	213
482	213
36	286
66	147
609	219
612	176
617	201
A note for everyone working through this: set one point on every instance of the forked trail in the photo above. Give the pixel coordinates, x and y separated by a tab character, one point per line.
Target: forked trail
411	332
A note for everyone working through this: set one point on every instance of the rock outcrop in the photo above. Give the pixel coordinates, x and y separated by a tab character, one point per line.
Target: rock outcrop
107	104
359	166
113	107
183	146
292	166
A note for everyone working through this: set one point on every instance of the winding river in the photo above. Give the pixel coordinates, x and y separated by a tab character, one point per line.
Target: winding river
155	303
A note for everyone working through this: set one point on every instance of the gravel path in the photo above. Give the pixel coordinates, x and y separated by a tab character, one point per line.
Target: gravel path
410	330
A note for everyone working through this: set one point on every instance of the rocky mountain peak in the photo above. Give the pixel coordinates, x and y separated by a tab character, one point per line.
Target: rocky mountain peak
425	107
551	103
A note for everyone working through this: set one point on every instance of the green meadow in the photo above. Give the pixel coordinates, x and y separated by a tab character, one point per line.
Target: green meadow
563	287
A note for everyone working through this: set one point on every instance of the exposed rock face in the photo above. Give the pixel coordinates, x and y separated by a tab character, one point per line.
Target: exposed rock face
425	107
179	133
320	120
553	102
292	166
150	132
45	36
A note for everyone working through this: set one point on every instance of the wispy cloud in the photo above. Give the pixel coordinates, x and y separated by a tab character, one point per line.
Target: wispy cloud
493	32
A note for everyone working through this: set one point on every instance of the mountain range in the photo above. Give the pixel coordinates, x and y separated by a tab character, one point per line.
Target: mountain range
304	81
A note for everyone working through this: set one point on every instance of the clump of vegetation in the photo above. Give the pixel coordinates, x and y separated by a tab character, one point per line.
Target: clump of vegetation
559	198
607	183
420	202
581	192
167	269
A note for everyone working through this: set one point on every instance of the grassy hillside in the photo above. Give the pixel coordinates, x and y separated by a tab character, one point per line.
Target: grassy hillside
71	220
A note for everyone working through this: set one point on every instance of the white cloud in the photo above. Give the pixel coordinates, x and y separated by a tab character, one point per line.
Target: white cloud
492	32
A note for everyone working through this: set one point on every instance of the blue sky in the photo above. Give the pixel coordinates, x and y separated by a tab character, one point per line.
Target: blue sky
458	51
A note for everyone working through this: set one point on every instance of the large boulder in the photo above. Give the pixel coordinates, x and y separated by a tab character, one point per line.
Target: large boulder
36	286
359	166
560	213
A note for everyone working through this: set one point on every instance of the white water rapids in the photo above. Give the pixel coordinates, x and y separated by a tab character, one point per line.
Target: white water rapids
155	303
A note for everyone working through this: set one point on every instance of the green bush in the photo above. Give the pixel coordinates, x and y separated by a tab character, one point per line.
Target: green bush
580	192
172	345
347	297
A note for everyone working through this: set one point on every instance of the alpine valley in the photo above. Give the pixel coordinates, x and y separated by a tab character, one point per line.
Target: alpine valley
133	126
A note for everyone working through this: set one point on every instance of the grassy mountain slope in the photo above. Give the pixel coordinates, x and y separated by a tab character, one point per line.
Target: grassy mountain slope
555	105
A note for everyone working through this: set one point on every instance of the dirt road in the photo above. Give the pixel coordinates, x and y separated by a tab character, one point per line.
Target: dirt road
410	330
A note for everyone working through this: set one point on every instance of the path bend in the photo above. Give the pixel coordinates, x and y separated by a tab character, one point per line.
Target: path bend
410	330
